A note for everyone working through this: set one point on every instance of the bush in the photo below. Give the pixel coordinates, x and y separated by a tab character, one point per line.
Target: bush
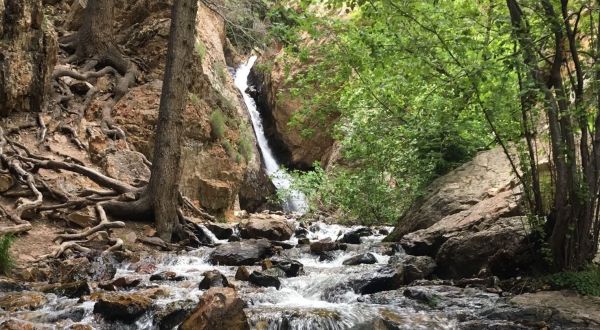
6	260
194	99
200	50
217	124
245	147
221	72
586	282
229	149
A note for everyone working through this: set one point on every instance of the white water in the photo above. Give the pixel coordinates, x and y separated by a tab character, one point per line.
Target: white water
296	201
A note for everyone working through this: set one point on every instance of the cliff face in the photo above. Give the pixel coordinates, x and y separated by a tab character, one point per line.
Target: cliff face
28	49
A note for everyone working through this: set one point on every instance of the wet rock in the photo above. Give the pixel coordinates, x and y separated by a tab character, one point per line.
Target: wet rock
415	267
15	324
327	256
173	314
144	267
291	268
326	245
246	252
353	237
74	314
242	274
283	245
301	232
384	279
219	308
167	276
234	238
213	278
26	300
8	285
365	258
119	283
383	231
266	264
269	226
220	230
71	290
423	296
262	279
303	241
124	307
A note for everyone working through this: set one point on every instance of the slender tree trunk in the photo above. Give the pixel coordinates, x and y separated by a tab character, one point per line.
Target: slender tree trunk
163	188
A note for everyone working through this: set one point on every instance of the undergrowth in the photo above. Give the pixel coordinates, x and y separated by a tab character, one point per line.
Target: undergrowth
585	282
6	260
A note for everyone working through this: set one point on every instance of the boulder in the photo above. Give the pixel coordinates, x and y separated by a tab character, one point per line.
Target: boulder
326	245
290	267
384	279
120	283
415	267
246	252
26	300
327	256
303	241
364	258
219	308
220	230
71	290
264	279
172	314
353	236
269	226
242	274
212	279
126	165
9	285
124	307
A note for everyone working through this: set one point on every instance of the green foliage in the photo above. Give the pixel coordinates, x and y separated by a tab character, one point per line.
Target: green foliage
229	148
585	282
200	50
194	99
246	148
6	260
221	71
217	124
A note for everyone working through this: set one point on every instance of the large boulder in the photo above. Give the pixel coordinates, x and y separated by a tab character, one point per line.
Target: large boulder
246	252
264	279
219	308
27	56
220	230
124	307
213	279
269	226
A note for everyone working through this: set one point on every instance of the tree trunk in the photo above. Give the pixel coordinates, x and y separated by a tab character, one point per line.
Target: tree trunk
95	38
163	188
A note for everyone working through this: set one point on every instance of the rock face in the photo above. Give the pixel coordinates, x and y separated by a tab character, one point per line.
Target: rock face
269	226
274	98
246	252
28	49
219	308
470	221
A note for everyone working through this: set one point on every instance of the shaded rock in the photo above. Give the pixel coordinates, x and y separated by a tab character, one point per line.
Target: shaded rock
365	258
119	283
303	241
234	238
384	279
124	307
415	267
257	189
213	278
269	226
246	252
127	166
26	300
173	314
326	245
292	268
283	245
327	256
83	269
220	230
71	290
242	274
8	285
262	279
167	276
353	237
219	308
301	232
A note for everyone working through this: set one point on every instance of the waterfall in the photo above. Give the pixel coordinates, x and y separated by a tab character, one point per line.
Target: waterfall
295	201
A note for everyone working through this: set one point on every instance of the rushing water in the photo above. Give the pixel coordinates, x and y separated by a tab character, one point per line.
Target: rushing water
295	201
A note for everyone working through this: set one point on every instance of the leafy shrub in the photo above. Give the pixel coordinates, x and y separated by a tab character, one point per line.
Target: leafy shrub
6	260
217	124
229	149
586	282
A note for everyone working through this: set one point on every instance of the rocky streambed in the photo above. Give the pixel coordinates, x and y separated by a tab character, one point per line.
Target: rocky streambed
273	272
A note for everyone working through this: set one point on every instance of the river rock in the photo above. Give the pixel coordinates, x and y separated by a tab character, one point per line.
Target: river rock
292	268
71	290
220	230
242	274
120	283
124	307
263	279
328	256
219	308
26	300
353	237
269	226
213	279
364	258
246	252
303	241
9	285
301	232
325	245
167	276
384	279
415	267
172	314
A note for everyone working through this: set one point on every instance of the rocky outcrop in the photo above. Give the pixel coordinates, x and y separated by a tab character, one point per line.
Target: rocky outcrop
28	48
219	308
470	221
265	225
277	106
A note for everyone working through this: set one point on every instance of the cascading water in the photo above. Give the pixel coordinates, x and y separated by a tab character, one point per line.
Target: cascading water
295	201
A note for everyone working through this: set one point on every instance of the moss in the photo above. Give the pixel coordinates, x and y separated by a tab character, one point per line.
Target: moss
6	260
